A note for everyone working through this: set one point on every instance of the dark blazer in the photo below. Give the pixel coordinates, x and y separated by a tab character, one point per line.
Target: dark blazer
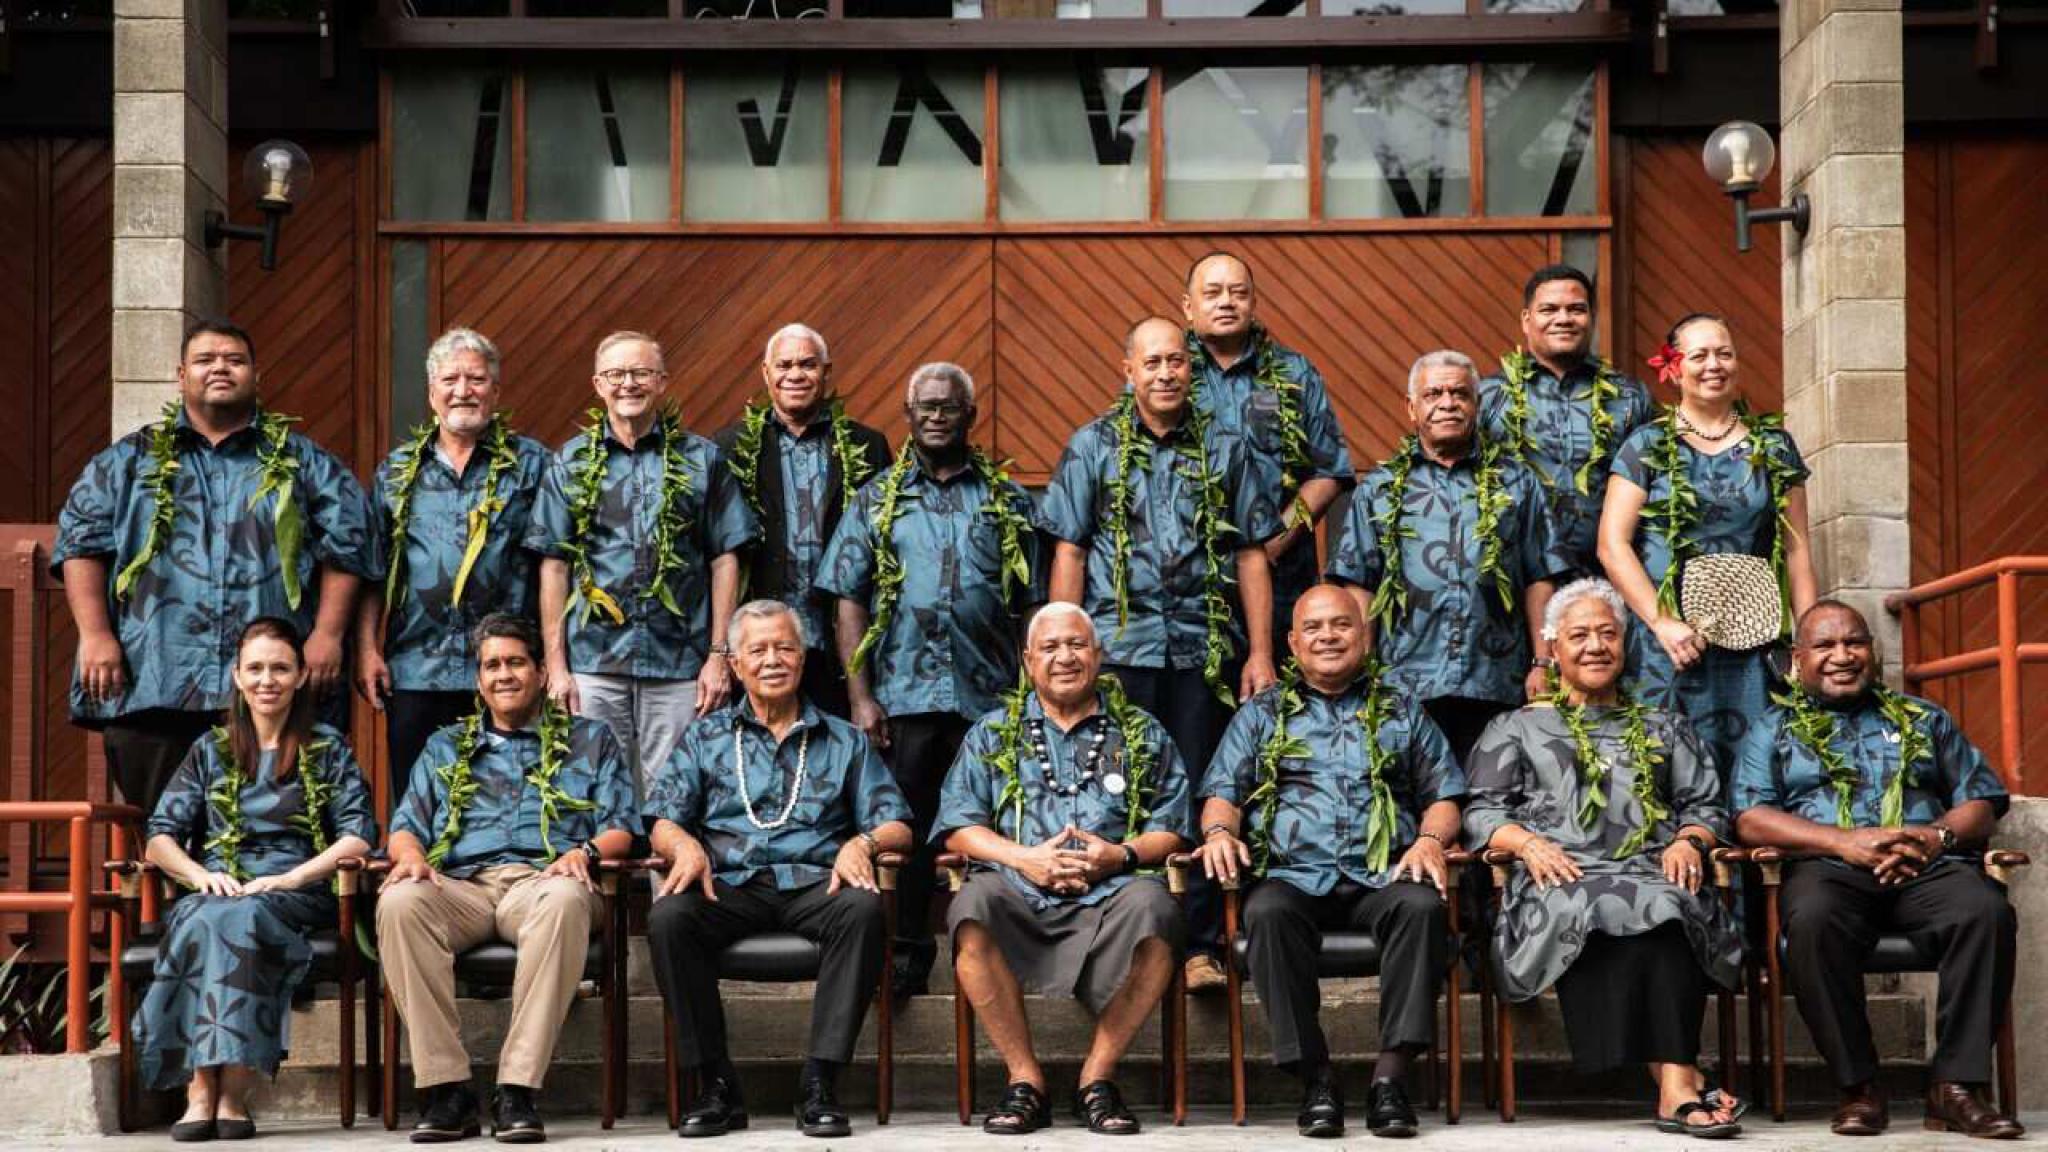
769	568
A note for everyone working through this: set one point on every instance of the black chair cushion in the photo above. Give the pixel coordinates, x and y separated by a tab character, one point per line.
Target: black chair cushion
496	963
138	959
1343	954
771	957
1894	953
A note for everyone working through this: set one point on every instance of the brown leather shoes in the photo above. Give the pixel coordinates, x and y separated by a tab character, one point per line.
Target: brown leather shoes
1954	1107
1862	1111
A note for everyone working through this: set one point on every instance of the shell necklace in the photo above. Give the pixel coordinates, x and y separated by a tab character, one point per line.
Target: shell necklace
796	786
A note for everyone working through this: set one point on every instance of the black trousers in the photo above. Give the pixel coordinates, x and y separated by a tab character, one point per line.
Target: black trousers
1633	1000
409	719
1284	934
1833	915
145	748
1192	715
1463	718
824	684
687	932
921	750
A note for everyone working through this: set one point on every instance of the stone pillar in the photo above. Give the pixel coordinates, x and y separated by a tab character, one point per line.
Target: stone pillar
170	167
1842	107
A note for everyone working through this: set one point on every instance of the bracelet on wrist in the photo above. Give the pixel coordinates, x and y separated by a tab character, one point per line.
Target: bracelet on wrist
1426	834
1211	830
874	845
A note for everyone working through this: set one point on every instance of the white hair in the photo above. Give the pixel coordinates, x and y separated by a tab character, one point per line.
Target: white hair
457	340
1060	610
1589	588
939	370
767	610
1441	358
796	332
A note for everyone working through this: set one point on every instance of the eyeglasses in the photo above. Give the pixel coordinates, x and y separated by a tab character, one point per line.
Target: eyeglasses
946	410
618	376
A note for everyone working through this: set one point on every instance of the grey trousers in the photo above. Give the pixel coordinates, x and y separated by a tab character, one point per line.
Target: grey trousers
646	716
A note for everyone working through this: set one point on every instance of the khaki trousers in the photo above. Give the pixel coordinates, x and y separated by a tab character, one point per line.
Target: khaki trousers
422	926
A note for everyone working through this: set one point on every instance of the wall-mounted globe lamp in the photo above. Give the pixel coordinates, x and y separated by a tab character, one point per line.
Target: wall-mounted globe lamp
278	173
1738	156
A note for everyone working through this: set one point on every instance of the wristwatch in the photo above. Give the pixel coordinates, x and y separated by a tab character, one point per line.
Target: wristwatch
724	650
1698	845
1130	857
1948	837
592	852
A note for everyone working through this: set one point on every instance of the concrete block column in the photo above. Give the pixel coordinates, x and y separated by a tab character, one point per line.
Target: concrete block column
170	167
1842	105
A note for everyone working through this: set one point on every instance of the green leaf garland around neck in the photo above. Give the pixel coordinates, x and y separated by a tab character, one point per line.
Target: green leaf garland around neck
554	752
1270	372
503	457
1279	747
1813	728
1013	528
458	777
1491	500
160	483
278	469
1211	526
225	799
1676	515
1136	747
671	518
746	452
1643	752
1517	369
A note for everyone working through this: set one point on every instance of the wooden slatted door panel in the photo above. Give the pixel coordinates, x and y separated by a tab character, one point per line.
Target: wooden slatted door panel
1361	307
885	306
1930	501
1681	236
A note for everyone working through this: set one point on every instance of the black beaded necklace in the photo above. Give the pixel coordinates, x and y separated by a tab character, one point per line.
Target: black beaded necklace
1114	785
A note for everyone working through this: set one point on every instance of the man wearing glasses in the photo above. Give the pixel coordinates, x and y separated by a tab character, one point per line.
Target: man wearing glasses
637	527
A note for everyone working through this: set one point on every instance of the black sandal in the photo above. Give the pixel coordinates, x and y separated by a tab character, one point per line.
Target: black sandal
1676	1125
1716	1099
1102	1107
1024	1109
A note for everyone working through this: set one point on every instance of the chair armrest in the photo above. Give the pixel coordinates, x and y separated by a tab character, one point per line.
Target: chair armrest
1771	863
1177	865
1999	863
131	874
1499	862
1727	862
887	865
952	866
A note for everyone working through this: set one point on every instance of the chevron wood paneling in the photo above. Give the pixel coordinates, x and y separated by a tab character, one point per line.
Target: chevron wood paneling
1681	230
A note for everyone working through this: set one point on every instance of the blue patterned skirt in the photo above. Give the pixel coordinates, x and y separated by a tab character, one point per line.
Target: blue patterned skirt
1722	695
222	989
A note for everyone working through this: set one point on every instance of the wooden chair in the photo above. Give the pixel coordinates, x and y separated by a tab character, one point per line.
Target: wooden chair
1345	953
335	958
493	965
787	958
1173	1011
1501	865
1893	952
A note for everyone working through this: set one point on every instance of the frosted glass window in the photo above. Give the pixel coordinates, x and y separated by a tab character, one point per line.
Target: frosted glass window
451	146
1233	8
1236	144
408	337
1397	141
1074	143
913	142
754	143
1393	8
1539	140
597	143
1511	6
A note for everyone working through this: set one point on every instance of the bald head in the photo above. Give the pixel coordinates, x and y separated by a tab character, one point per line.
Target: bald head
1328	637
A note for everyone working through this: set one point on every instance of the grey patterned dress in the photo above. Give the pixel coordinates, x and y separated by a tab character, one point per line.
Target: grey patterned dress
1525	771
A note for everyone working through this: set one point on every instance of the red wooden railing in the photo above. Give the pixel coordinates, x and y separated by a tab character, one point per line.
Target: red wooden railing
78	900
2008	655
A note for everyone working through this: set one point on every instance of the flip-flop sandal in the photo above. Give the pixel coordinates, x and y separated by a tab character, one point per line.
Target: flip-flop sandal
1023	1110
1676	1125
1102	1107
1717	1100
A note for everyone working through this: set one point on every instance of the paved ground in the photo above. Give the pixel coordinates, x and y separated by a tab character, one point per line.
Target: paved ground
1538	1130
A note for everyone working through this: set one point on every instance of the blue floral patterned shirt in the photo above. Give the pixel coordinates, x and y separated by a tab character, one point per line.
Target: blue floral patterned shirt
502	823
1325	799
972	786
653	643
806	463
1166	627
842	789
184	614
1776	770
427	640
271	843
1455	638
1559	434
951	645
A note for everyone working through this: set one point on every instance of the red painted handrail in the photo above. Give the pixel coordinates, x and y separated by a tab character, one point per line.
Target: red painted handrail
78	900
2008	655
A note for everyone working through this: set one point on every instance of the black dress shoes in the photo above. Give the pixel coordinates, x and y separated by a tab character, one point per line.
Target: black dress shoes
514	1118
450	1114
819	1113
1387	1110
716	1111
1322	1108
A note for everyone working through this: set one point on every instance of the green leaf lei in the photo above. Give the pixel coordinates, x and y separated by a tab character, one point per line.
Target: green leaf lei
1132	728
1279	747
1644	753
671	521
1517	369
1677	514
158	482
1489	496
1212	523
405	475
746	452
279	468
458	777
1813	727
1012	526
1269	372
225	798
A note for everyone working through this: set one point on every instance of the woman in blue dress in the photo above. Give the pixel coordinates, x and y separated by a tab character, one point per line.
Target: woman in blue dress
253	824
1740	487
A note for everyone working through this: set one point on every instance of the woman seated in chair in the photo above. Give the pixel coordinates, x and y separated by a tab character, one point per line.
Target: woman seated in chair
1612	808
253	822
